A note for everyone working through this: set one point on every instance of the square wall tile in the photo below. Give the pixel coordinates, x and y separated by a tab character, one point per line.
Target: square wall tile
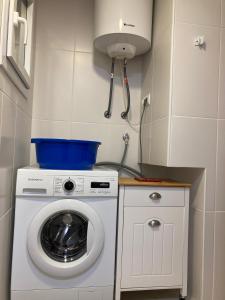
159	136
50	129
219	267
147	82
221	110
195	71
53	84
208	256
55	24
7	152
7	132
91	89
146	138
161	77
162	19
202	12
193	144
220	186
5	254
22	145
195	254
6	196
1	100
84	25
22	140
223	13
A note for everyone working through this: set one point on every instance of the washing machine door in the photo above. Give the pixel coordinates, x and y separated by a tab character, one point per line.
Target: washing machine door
65	238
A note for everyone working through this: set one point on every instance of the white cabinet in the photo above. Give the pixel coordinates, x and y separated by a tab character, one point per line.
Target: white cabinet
152	239
152	247
182	75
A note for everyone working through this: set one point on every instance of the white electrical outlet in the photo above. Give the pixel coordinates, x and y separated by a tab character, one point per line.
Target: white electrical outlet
148	97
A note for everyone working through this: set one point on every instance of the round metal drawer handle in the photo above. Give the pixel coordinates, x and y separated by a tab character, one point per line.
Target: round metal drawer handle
154	223
155	196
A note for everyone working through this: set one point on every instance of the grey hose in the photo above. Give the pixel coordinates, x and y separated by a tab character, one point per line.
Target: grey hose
117	166
124	154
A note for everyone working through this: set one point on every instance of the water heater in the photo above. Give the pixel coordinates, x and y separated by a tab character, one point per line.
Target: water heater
123	27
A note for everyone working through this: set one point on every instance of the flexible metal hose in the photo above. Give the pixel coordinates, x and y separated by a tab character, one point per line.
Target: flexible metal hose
108	113
124	114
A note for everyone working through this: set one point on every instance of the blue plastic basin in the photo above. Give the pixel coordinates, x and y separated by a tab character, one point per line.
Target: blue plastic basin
65	154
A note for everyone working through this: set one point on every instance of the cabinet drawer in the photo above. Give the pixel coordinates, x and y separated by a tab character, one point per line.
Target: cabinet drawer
151	196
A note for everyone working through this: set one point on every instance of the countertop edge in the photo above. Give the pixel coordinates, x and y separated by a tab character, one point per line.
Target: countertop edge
164	183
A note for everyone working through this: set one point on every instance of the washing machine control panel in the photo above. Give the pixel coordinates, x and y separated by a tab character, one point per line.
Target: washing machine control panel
64	185
84	186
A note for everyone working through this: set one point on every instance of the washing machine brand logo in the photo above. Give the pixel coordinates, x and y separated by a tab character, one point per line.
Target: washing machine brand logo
35	179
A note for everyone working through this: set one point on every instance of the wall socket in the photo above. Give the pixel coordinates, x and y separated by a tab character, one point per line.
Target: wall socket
148	97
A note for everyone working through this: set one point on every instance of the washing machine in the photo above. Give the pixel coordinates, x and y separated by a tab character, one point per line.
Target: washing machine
64	235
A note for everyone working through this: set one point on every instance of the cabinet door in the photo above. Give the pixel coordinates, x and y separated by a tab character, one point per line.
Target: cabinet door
152	247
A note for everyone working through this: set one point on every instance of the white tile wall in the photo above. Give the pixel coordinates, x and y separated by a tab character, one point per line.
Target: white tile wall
223	14
55	24
84	29
193	144
221	111
72	84
219	257
196	139
195	255
220	186
159	142
208	255
195	71
15	127
206	12
53	84
5	242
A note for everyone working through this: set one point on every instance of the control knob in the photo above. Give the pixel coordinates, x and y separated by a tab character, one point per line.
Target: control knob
69	186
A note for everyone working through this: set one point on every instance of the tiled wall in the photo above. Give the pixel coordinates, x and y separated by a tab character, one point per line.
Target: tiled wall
72	82
15	130
197	116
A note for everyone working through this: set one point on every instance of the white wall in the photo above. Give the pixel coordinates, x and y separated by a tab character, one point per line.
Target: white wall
15	130
197	134
72	82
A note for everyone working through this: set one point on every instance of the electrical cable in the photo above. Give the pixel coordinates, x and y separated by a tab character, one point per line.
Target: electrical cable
124	114
140	135
108	113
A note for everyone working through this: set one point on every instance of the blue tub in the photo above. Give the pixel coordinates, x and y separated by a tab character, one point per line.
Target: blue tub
65	154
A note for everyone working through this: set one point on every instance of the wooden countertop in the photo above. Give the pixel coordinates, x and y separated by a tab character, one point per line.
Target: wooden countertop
164	183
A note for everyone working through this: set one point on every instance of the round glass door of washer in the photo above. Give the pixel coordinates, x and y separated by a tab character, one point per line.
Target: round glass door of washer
65	238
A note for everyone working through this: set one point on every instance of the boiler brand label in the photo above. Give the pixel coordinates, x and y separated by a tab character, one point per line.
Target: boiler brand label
130	25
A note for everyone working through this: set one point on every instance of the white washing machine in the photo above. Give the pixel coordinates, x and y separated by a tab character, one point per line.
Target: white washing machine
64	235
